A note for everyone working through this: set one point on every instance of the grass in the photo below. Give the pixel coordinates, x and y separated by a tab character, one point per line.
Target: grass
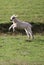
28	10
15	50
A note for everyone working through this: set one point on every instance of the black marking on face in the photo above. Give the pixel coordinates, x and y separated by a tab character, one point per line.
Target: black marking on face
13	18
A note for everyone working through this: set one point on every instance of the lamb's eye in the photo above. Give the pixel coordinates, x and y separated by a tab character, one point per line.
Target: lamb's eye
13	18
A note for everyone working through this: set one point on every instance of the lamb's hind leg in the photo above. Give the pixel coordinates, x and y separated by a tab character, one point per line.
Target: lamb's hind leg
30	32
27	33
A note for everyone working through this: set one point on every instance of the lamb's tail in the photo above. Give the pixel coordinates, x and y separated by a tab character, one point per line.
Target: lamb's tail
30	25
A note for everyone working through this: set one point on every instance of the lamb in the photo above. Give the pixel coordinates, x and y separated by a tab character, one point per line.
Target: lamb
21	25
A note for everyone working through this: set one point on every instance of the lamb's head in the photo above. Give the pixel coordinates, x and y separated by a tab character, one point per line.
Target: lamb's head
13	17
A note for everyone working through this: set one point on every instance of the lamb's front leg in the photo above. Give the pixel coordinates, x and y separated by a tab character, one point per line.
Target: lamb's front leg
13	26
10	27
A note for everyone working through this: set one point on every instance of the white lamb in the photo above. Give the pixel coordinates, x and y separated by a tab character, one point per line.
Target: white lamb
21	25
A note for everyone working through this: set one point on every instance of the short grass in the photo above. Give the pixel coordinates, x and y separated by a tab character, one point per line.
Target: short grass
15	50
28	10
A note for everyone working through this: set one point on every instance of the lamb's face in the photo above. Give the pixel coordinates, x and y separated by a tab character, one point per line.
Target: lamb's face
12	18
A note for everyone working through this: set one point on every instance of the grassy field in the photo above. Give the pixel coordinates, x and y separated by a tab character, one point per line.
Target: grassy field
15	50
28	10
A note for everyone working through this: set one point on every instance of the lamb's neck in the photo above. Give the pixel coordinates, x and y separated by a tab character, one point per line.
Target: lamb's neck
16	20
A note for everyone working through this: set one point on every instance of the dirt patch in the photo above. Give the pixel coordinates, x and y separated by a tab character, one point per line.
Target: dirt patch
36	28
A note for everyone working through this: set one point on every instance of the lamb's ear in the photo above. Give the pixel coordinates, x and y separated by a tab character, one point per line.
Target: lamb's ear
16	15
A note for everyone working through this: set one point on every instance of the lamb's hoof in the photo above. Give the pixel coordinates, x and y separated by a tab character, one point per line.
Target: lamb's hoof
29	40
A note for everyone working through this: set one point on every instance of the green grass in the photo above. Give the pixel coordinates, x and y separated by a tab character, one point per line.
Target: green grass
15	50
28	10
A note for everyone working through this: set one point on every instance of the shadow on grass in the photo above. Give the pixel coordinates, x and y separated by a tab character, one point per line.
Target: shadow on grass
36	28
29	40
